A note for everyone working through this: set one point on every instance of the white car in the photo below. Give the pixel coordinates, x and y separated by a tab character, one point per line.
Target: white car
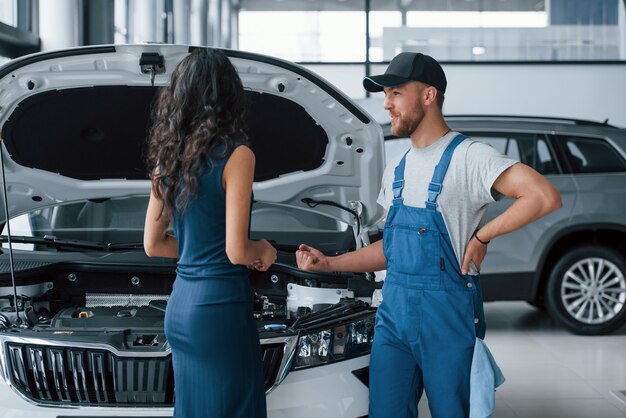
82	306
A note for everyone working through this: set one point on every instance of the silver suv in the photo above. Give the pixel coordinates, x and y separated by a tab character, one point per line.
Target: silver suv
572	262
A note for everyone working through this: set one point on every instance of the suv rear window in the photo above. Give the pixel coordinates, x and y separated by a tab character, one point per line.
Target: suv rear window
592	155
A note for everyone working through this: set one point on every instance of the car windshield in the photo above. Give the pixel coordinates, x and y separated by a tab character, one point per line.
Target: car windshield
80	225
109	224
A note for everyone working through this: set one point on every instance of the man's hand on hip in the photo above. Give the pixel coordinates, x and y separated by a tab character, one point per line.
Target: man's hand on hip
474	252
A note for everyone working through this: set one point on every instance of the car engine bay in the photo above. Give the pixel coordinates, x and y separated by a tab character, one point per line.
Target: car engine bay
75	300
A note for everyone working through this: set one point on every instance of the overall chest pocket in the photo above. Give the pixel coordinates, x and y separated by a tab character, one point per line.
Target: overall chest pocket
412	250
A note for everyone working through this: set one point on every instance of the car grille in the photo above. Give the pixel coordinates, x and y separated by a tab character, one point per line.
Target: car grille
89	377
272	359
84	376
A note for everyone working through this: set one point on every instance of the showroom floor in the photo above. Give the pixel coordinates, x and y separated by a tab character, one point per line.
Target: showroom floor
551	373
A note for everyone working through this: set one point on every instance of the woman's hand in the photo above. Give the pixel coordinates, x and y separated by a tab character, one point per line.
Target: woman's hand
267	258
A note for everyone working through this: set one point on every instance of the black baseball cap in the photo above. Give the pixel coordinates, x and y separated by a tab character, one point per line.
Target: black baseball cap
406	67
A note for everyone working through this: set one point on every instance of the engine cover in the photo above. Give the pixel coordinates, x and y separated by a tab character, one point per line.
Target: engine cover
115	317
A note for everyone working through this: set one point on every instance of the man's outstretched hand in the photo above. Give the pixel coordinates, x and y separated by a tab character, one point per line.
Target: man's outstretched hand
310	259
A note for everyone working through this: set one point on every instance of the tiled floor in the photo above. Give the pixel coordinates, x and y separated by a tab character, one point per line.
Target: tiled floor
550	372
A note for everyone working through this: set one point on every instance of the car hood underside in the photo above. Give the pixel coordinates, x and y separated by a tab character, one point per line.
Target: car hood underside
75	125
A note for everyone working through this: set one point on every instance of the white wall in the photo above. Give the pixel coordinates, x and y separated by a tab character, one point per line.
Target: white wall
349	78
594	92
581	91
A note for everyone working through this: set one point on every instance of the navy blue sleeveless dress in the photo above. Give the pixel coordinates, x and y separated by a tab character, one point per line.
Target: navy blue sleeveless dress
209	323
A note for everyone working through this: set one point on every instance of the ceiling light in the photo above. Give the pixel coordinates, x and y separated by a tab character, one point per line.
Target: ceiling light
478	50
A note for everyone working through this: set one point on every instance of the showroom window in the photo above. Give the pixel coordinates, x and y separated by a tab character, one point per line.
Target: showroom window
8	13
348	39
378	21
139	21
304	36
18	32
592	155
496	30
194	22
469	35
469	30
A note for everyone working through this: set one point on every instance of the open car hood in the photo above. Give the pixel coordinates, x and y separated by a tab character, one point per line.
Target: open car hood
74	126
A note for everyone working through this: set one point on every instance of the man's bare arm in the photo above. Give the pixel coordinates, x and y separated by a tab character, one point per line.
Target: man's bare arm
534	197
370	258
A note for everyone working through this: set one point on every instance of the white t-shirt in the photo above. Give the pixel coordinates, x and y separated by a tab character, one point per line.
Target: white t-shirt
466	190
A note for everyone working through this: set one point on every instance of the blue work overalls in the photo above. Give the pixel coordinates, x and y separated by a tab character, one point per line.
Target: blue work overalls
431	314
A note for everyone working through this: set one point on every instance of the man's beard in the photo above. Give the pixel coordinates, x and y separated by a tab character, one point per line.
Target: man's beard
404	127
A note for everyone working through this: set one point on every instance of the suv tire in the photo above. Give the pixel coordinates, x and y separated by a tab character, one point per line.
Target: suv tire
587	290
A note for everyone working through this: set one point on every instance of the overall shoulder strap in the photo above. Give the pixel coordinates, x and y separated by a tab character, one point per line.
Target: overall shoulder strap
434	188
398	180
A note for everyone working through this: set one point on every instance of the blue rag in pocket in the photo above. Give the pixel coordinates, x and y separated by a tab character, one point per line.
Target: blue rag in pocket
485	377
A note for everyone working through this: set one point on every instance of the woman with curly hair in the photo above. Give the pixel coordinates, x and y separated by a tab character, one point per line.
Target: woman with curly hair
199	211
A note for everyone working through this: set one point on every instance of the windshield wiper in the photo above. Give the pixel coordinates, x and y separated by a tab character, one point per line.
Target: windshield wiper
124	246
60	243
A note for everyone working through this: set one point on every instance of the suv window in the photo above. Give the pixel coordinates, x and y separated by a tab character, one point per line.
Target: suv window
592	155
530	149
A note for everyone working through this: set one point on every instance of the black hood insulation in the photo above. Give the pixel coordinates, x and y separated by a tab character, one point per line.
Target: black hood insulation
101	132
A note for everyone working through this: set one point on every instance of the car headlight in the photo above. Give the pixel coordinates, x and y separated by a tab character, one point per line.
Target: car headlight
336	343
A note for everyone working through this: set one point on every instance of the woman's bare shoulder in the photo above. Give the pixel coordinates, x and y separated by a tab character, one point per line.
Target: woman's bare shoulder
241	161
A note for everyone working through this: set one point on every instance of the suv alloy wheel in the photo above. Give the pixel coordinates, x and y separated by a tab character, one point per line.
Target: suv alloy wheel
587	290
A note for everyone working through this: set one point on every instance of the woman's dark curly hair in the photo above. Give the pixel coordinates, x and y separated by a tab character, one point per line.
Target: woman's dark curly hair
197	118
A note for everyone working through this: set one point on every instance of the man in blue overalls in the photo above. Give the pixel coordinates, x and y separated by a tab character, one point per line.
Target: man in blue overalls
436	196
